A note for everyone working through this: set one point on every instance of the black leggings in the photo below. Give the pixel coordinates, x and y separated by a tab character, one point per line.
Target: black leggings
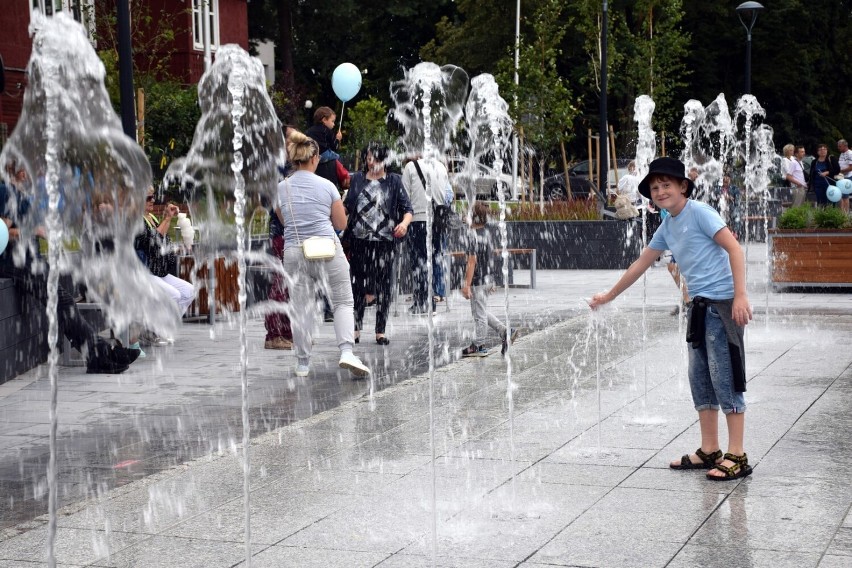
71	324
371	267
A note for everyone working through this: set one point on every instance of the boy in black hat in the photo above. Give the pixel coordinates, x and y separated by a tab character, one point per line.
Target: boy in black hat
714	266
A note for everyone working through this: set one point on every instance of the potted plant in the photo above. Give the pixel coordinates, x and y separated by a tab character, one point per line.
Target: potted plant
812	246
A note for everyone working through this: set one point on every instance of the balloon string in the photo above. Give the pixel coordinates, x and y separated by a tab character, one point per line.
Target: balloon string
340	124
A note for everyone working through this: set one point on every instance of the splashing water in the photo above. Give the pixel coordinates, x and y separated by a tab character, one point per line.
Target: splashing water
236	151
440	89
85	180
748	109
763	161
693	115
98	176
237	89
428	105
206	173
714	140
490	126
646	149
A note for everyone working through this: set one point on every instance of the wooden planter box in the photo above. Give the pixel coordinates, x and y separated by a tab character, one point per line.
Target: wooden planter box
811	257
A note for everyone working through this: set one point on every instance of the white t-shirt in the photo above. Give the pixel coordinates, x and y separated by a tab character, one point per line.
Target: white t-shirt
792	167
629	185
436	176
310	197
845	160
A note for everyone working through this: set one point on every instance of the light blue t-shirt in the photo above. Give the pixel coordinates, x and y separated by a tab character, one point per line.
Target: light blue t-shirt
703	263
311	197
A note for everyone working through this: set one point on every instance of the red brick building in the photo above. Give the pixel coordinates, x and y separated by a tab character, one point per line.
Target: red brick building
229	24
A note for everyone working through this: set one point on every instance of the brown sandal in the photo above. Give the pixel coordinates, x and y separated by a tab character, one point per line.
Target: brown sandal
738	470
708	461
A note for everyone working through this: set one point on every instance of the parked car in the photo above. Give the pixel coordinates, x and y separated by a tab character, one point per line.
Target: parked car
581	169
481	179
578	175
555	188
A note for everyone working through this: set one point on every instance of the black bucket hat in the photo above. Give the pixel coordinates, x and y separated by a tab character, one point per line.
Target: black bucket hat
671	167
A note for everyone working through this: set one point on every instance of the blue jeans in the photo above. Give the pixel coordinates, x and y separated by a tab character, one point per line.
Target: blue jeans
417	246
711	376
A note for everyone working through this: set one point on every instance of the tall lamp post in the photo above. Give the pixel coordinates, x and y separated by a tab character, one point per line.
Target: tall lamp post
125	69
603	139
747	12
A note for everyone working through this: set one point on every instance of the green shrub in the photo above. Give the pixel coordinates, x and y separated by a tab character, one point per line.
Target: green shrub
809	217
796	217
830	218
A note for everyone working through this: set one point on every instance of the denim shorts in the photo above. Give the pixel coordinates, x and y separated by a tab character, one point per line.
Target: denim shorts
711	376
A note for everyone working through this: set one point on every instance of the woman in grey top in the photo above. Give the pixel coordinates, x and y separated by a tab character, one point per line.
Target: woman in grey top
309	206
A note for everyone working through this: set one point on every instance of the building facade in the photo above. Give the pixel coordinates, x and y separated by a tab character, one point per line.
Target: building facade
185	53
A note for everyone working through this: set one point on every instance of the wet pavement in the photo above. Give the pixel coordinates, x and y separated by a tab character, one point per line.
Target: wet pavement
562	474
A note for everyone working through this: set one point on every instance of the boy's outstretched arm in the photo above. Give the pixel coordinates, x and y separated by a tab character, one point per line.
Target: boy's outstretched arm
741	309
637	269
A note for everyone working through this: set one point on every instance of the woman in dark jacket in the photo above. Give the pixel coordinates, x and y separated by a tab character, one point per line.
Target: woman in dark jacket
154	248
379	212
823	168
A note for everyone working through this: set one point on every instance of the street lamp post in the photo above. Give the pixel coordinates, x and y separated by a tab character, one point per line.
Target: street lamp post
747	12
603	138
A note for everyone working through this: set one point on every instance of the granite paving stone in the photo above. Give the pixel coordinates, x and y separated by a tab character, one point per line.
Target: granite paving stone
150	462
724	556
280	556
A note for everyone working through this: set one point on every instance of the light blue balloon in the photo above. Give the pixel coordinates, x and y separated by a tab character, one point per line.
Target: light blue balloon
845	186
346	81
833	193
4	236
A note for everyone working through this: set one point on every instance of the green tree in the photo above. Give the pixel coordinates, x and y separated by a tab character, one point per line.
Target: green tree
171	115
800	54
653	61
365	122
478	34
171	109
542	103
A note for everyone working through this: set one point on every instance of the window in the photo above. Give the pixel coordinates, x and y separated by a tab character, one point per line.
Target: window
81	10
198	21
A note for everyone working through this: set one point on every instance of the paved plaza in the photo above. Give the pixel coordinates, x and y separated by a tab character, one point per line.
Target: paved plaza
567	467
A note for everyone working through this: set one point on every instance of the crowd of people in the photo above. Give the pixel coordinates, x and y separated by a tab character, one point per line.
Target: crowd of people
367	215
816	174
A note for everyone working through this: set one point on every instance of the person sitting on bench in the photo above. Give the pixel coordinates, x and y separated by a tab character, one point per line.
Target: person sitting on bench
29	275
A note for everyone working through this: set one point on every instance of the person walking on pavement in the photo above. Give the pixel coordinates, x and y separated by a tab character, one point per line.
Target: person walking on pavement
418	177
309	206
379	213
478	280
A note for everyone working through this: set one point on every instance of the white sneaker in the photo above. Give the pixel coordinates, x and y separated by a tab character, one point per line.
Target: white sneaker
302	370
349	361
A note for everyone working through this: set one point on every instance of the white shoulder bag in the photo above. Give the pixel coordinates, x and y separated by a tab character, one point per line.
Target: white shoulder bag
314	248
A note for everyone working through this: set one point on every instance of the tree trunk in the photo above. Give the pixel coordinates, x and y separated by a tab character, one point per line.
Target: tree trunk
568	193
285	46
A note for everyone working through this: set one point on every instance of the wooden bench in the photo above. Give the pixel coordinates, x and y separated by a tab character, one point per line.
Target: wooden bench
530	252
